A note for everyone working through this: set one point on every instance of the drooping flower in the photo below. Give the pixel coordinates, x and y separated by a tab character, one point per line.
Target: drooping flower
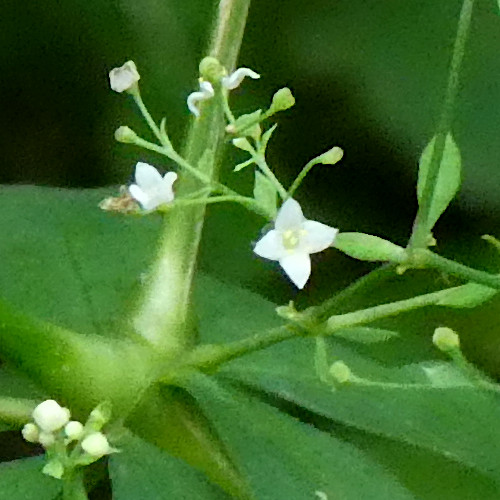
124	78
193	101
234	80
50	417
293	239
151	189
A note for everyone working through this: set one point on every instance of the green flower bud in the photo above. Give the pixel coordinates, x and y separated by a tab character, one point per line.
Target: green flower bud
331	156
283	99
340	372
446	340
126	135
212	70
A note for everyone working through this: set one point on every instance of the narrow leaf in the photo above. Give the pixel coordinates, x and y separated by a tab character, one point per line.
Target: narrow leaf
266	136
448	179
366	335
265	193
241	166
470	295
367	247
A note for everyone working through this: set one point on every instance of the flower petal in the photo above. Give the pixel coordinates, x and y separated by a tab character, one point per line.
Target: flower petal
297	266
317	236
167	189
270	246
193	100
146	176
124	77
234	79
138	194
289	216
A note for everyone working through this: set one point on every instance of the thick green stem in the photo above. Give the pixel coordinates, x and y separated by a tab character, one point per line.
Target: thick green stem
164	315
421	228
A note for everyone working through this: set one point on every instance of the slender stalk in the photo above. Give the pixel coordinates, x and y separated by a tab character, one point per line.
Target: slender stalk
421	227
260	160
298	180
147	116
164	315
428	259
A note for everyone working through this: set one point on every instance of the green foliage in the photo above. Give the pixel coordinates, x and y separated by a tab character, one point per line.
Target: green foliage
448	179
366	335
367	247
470	295
265	193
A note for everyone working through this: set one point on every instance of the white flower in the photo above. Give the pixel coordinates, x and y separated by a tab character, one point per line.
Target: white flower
46	439
50	417
74	430
31	433
96	445
233	80
124	77
151	189
293	239
206	92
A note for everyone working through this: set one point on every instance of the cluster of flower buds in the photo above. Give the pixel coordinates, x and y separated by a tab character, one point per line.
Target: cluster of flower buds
68	443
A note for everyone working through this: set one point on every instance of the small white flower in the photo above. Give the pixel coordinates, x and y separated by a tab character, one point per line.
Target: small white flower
74	430
293	239
151	189
124	77
50	417
233	80
46	439
96	445
206	92
31	433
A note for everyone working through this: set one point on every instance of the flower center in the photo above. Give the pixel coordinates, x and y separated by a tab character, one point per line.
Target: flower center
291	239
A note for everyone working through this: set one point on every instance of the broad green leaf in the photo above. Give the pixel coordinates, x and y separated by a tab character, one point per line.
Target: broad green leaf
470	295
448	179
284	458
66	261
367	247
143	471
23	480
366	335
265	193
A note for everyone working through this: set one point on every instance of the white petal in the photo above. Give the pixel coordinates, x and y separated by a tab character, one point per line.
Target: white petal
124	77
167	189
270	246
318	236
289	216
298	267
138	194
146	176
234	79
193	100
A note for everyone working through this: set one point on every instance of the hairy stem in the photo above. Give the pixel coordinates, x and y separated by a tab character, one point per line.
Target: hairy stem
164	315
421	227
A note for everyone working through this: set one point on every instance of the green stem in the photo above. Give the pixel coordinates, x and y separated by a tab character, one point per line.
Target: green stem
260	160
147	116
428	259
164	316
74	487
298	181
421	230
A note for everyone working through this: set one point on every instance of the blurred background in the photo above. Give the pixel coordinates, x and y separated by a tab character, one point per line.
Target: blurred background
368	76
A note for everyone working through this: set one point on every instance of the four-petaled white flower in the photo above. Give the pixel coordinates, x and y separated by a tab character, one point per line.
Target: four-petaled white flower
206	92
124	77
233	80
151	189
50	417
293	239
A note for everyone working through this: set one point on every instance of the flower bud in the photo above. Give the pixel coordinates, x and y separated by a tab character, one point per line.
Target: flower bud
124	78
99	416
340	372
96	445
74	430
49	416
331	156
46	439
126	135
283	99
31	433
446	340
211	70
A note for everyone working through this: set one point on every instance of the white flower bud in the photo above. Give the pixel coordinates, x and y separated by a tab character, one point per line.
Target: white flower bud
30	433
74	430
124	78
96	445
46	439
49	416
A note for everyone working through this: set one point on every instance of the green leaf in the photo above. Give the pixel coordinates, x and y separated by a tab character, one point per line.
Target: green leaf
470	295
447	182
241	166
284	458
265	193
366	335
23	480
245	124
367	247
266	136
143	471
